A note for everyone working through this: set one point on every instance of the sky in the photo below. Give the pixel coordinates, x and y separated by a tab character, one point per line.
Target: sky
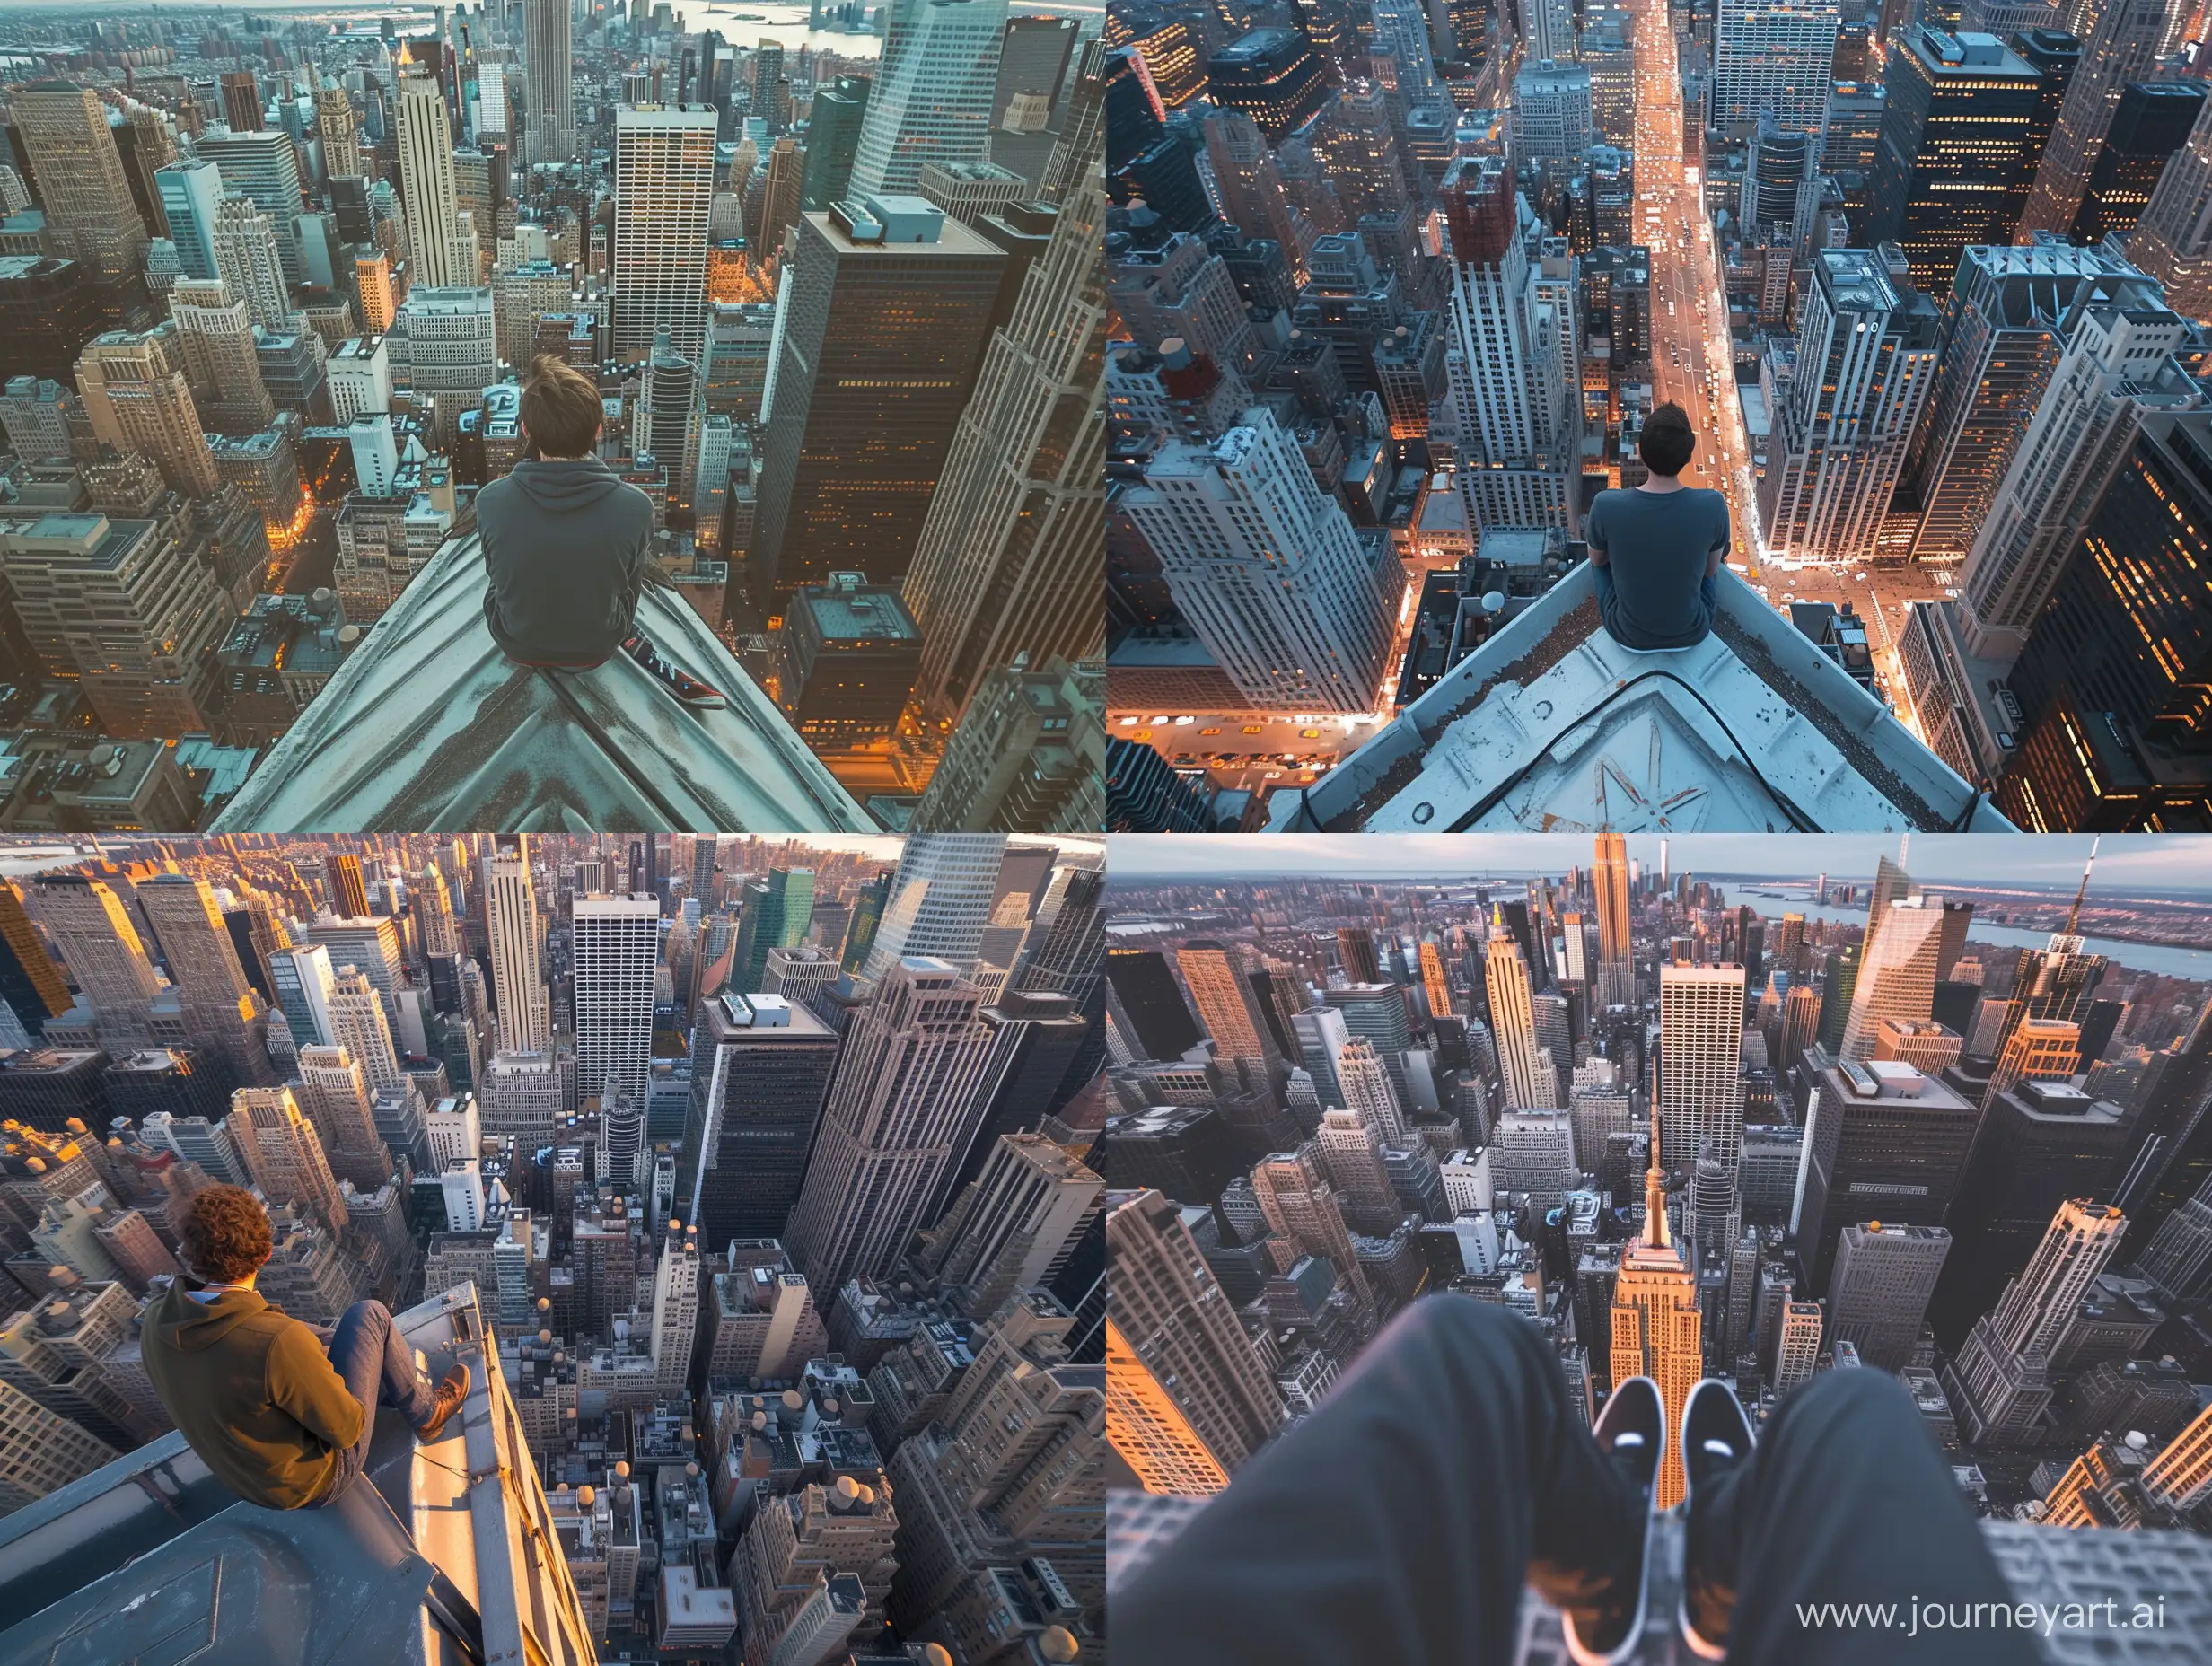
2141	864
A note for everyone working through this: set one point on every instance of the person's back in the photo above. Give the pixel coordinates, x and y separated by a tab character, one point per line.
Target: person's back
566	545
1656	548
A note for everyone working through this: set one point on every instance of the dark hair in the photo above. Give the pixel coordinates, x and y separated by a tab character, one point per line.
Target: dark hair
561	409
1667	441
224	1235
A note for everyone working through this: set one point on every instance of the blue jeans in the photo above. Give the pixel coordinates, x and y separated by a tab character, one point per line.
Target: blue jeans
1708	587
368	1352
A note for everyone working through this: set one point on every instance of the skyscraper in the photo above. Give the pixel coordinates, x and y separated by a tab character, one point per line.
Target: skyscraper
62	132
761	1067
355	1012
1150	1433
777	912
264	167
887	316
1010	546
2121	42
1885	1276
221	1010
1999	1382
618	945
101	949
2152	121
189	192
284	1155
932	92
939	901
1772	55
1300	1205
1657	1329
1402	35
1266	569
517	941
1863	363
427	181
1608	881
675	1311
1225	1001
664	158
137	399
1701	1059
893	1123
349	895
249	256
215	341
1529	1084
1897	972
1182	1329
1510	359
549	108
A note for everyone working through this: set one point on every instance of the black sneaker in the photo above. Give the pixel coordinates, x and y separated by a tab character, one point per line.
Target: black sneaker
1716	1436
1631	1430
445	1400
682	684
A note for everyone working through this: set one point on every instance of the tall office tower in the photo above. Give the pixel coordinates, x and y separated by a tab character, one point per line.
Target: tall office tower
1864	362
300	979
1885	1276
30	983
2118	366
1529	1084
1356	954
2006	315
2121	42
1600	1106
832	139
1701	1059
339	126
221	1010
266	168
2151	123
42	1452
1547	30
1510	360
892	1122
777	912
1066	948
334	1091
61	131
939	901
517	938
1797	1348
1896	974
242	100
2039	1049
1772	55
1435	982
284	1155
1658	1330
665	159
1801	1021
932	92
1878	1137
1999	1381
1223	995
137	398
1363	1081
1781	183
101	947
1350	1148
1402	35
1016	1224
761	1067
1550	119
1608	881
1288	598
1149	1430
429	193
190	192
666	425
675	1313
1011	541
2173	240
548	111
616	945
1952	164
248	255
355	1012
433	908
887	313
2179	1256
2180	1475
350	892
2111	662
1298	1203
1892	885
216	342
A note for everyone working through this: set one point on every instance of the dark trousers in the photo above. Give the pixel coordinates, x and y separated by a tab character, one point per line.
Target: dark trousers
1708	587
1448	1467
368	1352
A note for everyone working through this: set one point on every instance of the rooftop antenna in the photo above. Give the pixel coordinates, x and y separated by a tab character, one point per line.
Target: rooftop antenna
1654	1189
2074	913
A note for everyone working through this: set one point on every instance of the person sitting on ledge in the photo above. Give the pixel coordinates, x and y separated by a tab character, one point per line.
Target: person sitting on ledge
1670	541
282	1421
568	544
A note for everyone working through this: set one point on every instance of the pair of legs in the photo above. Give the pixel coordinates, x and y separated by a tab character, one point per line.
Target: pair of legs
1449	1468
1708	587
368	1352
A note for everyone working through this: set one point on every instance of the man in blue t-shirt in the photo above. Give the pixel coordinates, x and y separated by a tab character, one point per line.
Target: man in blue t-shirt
1655	551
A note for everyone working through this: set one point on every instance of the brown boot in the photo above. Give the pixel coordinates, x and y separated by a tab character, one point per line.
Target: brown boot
447	1400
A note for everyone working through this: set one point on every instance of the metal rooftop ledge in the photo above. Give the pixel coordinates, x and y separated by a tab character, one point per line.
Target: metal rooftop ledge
1551	725
429	728
448	1558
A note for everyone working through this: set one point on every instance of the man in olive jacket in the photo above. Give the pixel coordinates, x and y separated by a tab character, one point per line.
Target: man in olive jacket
281	1422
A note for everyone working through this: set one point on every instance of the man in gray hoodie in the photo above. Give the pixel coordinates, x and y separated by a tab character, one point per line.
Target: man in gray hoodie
567	545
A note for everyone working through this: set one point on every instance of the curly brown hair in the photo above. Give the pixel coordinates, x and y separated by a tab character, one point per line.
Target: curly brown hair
224	1234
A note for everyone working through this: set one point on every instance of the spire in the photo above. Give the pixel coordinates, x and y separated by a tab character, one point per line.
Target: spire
1654	1190
2074	914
